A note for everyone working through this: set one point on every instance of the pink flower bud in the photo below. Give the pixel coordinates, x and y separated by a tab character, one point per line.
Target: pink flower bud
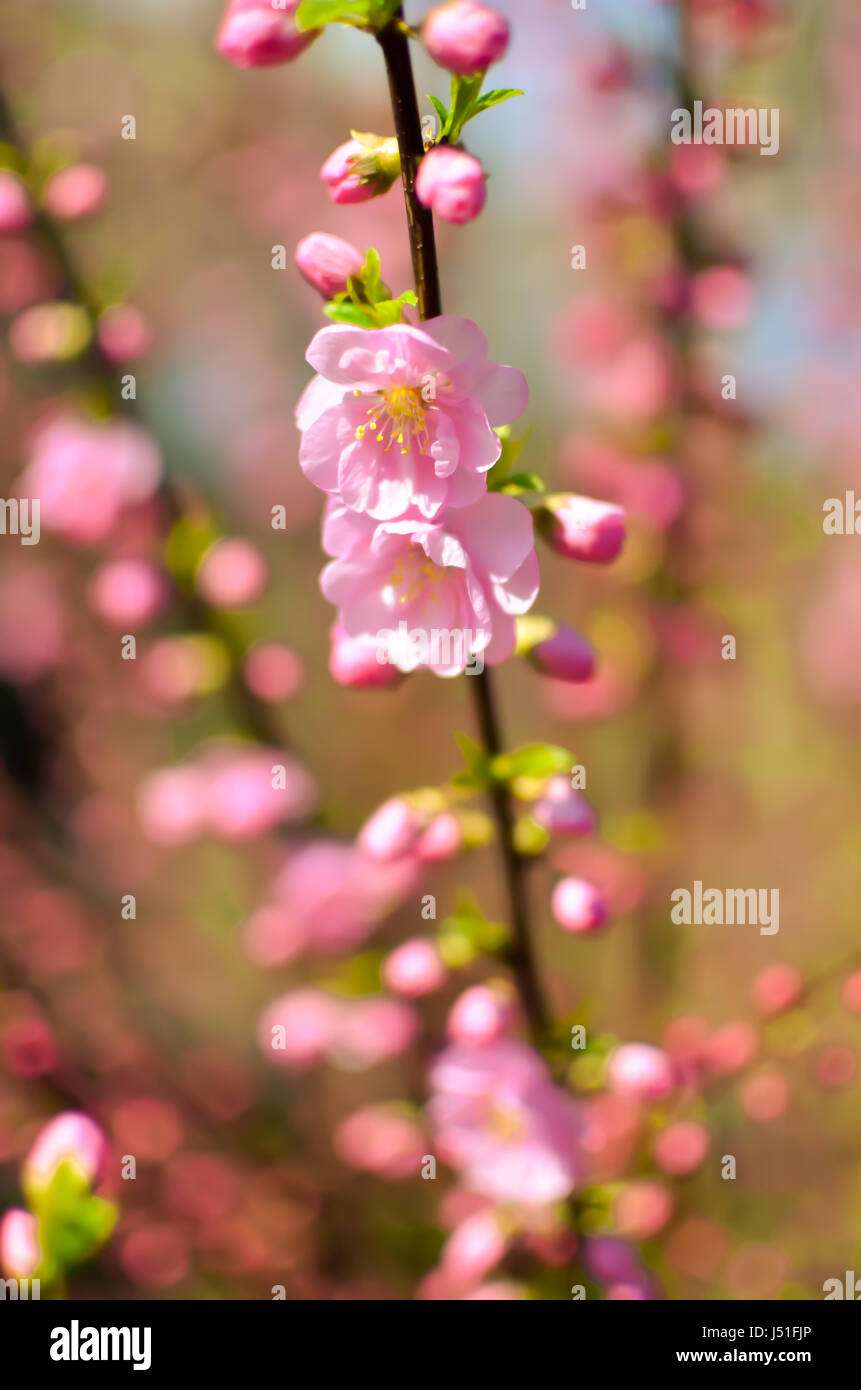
414	968
566	656
642	1209
232	574
123	333
383	1139
578	906
76	192
452	184
563	809
393	830
474	1248
582	528
777	989
296	1031
442	840
636	1069
327	262
851	993
20	1252
681	1147
273	672
70	1137
481	1016
16	213
354	663
261	33
361	169
465	37
128	593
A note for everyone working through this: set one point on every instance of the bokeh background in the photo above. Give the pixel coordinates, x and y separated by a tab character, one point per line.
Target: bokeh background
700	263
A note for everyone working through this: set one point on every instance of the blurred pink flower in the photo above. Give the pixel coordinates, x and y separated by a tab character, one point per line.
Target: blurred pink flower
385	1139
261	33
79	190
353	662
84	475
20	1251
71	1137
129	593
402	417
636	1069
577	906
414	968
231	574
563	809
500	1121
16	212
482	1015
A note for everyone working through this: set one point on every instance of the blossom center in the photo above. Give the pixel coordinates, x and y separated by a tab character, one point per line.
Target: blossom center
413	575
398	419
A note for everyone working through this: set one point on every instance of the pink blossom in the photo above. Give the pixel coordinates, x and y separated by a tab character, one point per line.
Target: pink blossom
474	1248
452	184
129	593
414	968
333	896
481	1016
247	791
403	417
123	333
434	593
79	190
394	829
442	840
86	474
465	37
636	1069
296	1031
20	1251
642	1209
327	262
578	906
564	656
501	1122
273	672
231	574
383	1139
581	528
353	662
681	1147
777	989
260	33
16	213
171	805
371	1031
71	1137
563	809
361	169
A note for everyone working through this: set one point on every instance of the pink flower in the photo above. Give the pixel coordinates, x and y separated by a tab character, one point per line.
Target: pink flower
260	33
439	594
452	184
72	1138
353	662
16	213
371	1031
499	1120
481	1016
79	190
777	989
564	656
394	829
582	528
296	1031
129	593
327	262
563	809
578	906
442	840
636	1069
333	896
403	417
383	1139
465	37
85	475
474	1248
232	573
249	790
20	1251
681	1147
414	968
361	169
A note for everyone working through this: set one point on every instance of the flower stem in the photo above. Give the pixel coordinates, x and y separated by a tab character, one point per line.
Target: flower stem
395	47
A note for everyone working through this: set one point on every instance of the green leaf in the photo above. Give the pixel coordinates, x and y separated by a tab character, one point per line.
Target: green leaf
510	452
314	14
521	482
464	94
493	98
347	312
533	760
442	111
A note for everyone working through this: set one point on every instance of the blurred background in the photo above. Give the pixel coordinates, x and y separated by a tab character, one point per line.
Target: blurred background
142	777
